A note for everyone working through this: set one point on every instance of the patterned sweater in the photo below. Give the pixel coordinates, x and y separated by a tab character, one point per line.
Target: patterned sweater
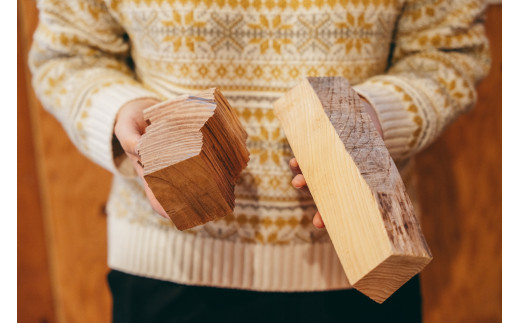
417	62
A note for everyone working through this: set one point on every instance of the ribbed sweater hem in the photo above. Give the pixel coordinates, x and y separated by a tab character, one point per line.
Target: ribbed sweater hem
184	258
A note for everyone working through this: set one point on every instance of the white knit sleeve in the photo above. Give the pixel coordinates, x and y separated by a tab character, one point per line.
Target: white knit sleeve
78	60
440	52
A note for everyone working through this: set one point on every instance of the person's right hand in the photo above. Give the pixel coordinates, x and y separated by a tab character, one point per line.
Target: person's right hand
129	127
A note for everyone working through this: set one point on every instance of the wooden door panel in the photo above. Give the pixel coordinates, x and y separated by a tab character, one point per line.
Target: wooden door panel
460	194
74	193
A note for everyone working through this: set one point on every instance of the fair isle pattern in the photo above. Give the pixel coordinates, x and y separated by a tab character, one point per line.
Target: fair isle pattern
253	58
416	62
214	43
240	50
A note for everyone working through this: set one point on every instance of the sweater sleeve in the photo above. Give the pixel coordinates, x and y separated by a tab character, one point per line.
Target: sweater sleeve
80	73
440	52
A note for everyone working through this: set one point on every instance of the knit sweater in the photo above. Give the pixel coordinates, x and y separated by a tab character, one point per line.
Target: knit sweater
416	62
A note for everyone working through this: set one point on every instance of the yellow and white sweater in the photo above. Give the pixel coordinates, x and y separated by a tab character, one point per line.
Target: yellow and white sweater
416	62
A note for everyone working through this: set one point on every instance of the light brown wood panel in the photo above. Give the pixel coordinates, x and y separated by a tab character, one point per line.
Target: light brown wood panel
74	193
350	172
460	193
34	295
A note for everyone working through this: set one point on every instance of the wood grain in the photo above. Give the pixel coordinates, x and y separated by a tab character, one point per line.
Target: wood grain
355	185
192	153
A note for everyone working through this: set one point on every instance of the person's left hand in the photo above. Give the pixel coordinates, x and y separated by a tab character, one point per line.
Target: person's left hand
298	180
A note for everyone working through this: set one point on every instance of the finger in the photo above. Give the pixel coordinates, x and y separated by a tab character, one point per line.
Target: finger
129	139
154	202
149	194
295	168
318	221
137	165
140	124
369	109
299	181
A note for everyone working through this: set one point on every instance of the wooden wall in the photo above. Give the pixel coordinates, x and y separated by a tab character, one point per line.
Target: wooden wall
34	285
61	219
73	193
461	196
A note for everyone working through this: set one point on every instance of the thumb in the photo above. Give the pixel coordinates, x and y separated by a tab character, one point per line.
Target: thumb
128	135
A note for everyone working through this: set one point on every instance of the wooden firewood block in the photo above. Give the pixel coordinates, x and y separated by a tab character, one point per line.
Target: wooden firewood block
355	185
192	152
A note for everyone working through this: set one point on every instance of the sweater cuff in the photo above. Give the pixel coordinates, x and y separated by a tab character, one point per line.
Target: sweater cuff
397	114
103	146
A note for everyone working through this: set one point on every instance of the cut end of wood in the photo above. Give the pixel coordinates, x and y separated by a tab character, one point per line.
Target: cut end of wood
192	153
385	279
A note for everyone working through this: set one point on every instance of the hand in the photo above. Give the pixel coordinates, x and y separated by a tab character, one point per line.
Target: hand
298	180
129	127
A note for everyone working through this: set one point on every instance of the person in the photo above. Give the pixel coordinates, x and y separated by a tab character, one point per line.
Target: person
97	64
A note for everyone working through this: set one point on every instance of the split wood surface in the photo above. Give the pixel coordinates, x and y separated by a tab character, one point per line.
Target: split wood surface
192	152
355	185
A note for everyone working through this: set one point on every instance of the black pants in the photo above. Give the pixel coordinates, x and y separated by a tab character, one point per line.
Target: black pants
139	299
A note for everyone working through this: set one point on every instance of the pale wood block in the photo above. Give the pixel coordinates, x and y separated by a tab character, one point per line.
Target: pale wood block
192	153
355	185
